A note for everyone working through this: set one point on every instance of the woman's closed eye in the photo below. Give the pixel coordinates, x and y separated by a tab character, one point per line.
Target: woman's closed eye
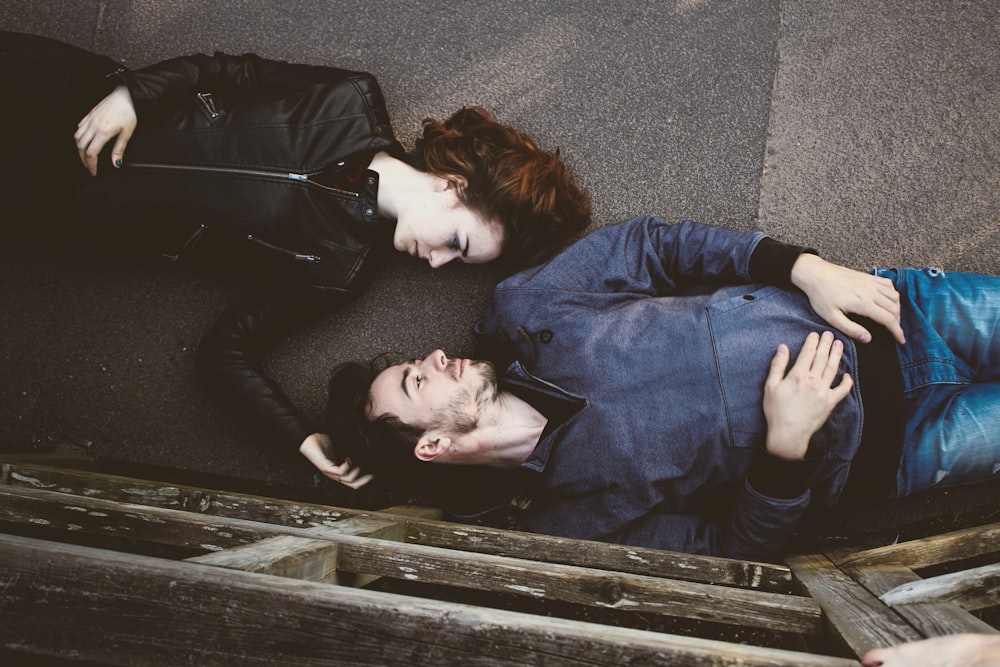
455	243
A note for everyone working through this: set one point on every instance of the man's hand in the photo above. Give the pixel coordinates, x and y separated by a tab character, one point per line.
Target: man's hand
834	291
797	405
113	116
315	448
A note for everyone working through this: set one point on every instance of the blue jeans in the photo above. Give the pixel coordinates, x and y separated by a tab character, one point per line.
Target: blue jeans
951	377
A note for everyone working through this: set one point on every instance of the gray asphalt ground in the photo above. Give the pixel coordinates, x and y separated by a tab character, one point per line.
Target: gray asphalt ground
869	130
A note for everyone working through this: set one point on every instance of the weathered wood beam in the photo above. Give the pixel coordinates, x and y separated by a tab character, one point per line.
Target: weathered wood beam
855	616
585	586
930	619
114	608
104	519
973	589
650	562
935	550
178	496
282	556
616	557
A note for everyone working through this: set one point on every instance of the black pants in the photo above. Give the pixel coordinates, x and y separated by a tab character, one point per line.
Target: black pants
49	86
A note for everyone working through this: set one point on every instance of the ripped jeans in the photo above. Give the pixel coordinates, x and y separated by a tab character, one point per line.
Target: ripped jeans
951	377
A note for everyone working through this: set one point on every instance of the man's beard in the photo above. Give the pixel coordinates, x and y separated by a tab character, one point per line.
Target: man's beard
481	396
488	389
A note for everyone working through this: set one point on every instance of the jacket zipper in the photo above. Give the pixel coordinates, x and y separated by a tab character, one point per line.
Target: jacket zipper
274	175
209	103
298	257
191	240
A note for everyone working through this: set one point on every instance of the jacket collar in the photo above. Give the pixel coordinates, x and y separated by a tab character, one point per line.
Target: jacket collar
555	403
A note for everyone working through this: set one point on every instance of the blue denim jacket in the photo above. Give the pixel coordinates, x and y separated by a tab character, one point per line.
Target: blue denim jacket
655	330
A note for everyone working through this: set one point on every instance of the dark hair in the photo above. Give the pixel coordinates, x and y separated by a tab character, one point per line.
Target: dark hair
382	446
529	192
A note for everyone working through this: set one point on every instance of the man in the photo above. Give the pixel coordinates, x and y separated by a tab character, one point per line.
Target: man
653	400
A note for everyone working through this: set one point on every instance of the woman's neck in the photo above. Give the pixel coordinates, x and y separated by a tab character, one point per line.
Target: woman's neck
398	182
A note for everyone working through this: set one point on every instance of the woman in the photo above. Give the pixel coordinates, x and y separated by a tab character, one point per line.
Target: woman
289	173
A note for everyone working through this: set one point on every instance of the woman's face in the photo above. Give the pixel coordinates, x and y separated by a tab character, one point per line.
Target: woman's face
437	227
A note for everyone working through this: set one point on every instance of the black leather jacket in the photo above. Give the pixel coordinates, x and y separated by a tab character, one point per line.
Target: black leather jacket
272	158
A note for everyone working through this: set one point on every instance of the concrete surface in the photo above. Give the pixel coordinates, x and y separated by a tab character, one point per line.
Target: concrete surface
869	130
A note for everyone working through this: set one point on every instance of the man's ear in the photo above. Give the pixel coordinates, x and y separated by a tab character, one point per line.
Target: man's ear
431	445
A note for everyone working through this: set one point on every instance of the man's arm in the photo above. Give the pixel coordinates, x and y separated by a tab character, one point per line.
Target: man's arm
798	403
835	291
652	257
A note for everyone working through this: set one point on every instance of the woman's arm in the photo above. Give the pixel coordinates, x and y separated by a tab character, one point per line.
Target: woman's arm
170	82
114	116
230	357
175	79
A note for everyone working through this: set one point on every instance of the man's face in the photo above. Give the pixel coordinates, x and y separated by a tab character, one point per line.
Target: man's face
434	392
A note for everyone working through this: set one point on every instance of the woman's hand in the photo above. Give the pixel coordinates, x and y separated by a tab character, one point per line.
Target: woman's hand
315	448
797	405
834	291
113	116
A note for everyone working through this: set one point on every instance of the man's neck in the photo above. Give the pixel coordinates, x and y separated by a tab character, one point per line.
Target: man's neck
508	432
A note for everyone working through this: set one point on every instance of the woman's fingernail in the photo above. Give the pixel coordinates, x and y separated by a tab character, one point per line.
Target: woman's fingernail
118	162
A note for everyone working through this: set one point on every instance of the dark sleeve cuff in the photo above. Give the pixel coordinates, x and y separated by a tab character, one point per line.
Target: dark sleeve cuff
771	262
780	478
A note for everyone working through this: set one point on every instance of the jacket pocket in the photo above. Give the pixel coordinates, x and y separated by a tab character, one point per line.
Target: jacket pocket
285	252
746	326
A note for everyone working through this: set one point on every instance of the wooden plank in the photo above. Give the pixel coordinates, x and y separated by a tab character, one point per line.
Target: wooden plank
415	511
188	498
103	519
973	589
935	550
634	560
282	556
616	557
51	459
114	608
586	586
930	619
856	617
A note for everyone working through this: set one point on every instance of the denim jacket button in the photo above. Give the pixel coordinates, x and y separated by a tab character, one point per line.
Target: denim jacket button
545	336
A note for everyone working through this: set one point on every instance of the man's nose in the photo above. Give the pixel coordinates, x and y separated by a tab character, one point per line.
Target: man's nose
436	360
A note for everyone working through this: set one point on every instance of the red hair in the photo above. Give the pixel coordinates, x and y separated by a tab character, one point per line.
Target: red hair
529	192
